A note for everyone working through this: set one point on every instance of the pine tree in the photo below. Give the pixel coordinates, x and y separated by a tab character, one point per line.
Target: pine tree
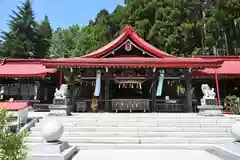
1	48
18	41
43	32
26	38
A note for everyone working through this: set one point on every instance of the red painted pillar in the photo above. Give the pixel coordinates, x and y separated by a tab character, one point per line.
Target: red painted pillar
61	76
217	87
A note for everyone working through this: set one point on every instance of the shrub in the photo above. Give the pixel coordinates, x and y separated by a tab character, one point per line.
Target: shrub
11	143
232	103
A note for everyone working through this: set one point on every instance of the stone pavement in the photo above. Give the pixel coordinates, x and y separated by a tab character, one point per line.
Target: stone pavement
144	155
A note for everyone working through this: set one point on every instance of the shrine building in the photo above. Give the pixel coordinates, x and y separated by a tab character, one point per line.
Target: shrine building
126	75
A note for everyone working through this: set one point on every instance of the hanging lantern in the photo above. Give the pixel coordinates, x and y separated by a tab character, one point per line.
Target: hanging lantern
128	46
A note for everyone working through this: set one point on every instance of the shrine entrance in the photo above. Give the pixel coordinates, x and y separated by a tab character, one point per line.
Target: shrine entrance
130	90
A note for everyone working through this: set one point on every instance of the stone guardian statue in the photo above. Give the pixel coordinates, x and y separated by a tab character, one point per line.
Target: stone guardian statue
209	105
62	92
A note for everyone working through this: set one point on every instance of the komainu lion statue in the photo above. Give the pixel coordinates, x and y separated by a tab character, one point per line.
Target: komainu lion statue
62	92
207	93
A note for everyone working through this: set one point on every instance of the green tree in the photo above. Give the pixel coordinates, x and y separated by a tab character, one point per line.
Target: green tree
18	42
221	19
11	144
169	25
26	38
182	28
2	50
43	38
65	42
77	41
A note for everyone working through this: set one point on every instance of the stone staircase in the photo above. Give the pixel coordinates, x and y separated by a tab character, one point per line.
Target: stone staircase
139	131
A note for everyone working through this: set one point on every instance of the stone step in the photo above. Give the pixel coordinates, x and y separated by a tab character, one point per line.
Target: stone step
113	119
87	146
141	134
136	140
138	119
138	131
138	124
145	115
141	129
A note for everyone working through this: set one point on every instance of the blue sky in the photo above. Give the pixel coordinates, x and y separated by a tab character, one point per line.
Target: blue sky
61	13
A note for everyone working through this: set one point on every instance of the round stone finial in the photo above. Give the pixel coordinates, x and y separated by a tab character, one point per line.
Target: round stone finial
52	131
236	131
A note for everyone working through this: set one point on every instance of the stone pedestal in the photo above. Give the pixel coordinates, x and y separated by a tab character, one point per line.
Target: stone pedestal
61	101
52	148
52	151
210	110
233	148
210	107
60	107
236	131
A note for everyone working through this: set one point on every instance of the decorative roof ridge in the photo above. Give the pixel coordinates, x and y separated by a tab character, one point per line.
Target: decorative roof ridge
20	61
126	33
3	61
128	29
226	58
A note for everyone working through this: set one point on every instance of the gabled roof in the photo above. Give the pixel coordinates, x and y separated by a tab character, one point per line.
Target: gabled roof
18	68
127	33
228	68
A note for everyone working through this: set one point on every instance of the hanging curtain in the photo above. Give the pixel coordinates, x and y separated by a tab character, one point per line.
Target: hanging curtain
98	84
36	87
94	104
160	83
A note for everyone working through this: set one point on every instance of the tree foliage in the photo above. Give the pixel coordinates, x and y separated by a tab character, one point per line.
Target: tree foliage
26	37
179	27
65	42
77	41
43	33
11	144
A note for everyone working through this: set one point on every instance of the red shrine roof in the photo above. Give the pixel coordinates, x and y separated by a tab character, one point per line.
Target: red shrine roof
230	66
133	62
219	57
19	68
159	59
127	33
13	106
